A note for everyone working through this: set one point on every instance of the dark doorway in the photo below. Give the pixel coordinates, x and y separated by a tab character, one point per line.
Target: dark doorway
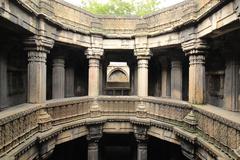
163	150
118	147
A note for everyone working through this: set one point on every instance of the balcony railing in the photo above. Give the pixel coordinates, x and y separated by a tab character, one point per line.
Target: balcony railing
215	126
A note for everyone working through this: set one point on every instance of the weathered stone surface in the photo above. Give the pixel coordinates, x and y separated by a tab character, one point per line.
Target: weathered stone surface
58	78
37	47
205	133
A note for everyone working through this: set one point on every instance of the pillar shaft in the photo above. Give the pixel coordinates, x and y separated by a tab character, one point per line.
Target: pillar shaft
196	50
92	151
58	78
165	82
3	80
142	151
231	86
36	77
37	47
176	80
93	77
142	77
197	79
69	82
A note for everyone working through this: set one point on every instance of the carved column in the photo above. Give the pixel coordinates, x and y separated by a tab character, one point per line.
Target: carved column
176	79
232	83
142	150
93	137
140	133
165	82
196	50
143	56
69	82
37	47
58	78
93	56
3	79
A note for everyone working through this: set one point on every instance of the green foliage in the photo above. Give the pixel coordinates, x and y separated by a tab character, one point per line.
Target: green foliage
121	7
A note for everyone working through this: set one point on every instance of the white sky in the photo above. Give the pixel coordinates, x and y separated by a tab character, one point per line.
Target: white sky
164	3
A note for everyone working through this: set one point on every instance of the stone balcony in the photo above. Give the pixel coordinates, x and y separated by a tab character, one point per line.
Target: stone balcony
26	129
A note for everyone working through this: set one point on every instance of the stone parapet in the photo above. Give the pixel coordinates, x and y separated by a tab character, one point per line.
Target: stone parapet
216	131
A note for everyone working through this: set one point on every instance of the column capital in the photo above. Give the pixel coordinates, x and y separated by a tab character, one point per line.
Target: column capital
195	46
140	132
59	61
143	53
39	44
197	59
176	64
94	53
94	132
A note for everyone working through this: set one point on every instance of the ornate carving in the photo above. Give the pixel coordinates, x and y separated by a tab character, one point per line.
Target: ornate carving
190	122
38	44
141	110
95	109
188	149
143	53
94	132
196	59
44	121
94	53
195	46
140	133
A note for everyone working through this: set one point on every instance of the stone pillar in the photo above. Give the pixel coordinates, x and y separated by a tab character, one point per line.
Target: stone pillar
3	80
93	150
37	47
93	77
196	50
140	133
165	81
232	84
100	79
69	82
176	79
142	77
93	137
58	78
93	56
142	151
143	56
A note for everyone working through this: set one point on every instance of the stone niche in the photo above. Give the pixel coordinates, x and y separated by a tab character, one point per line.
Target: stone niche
215	78
118	78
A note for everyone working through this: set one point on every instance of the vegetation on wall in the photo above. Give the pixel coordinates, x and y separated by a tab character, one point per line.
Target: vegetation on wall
121	7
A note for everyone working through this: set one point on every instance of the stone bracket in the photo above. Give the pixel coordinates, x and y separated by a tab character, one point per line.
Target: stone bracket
95	132
140	132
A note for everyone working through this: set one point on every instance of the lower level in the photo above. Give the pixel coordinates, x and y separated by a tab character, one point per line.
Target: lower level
118	147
